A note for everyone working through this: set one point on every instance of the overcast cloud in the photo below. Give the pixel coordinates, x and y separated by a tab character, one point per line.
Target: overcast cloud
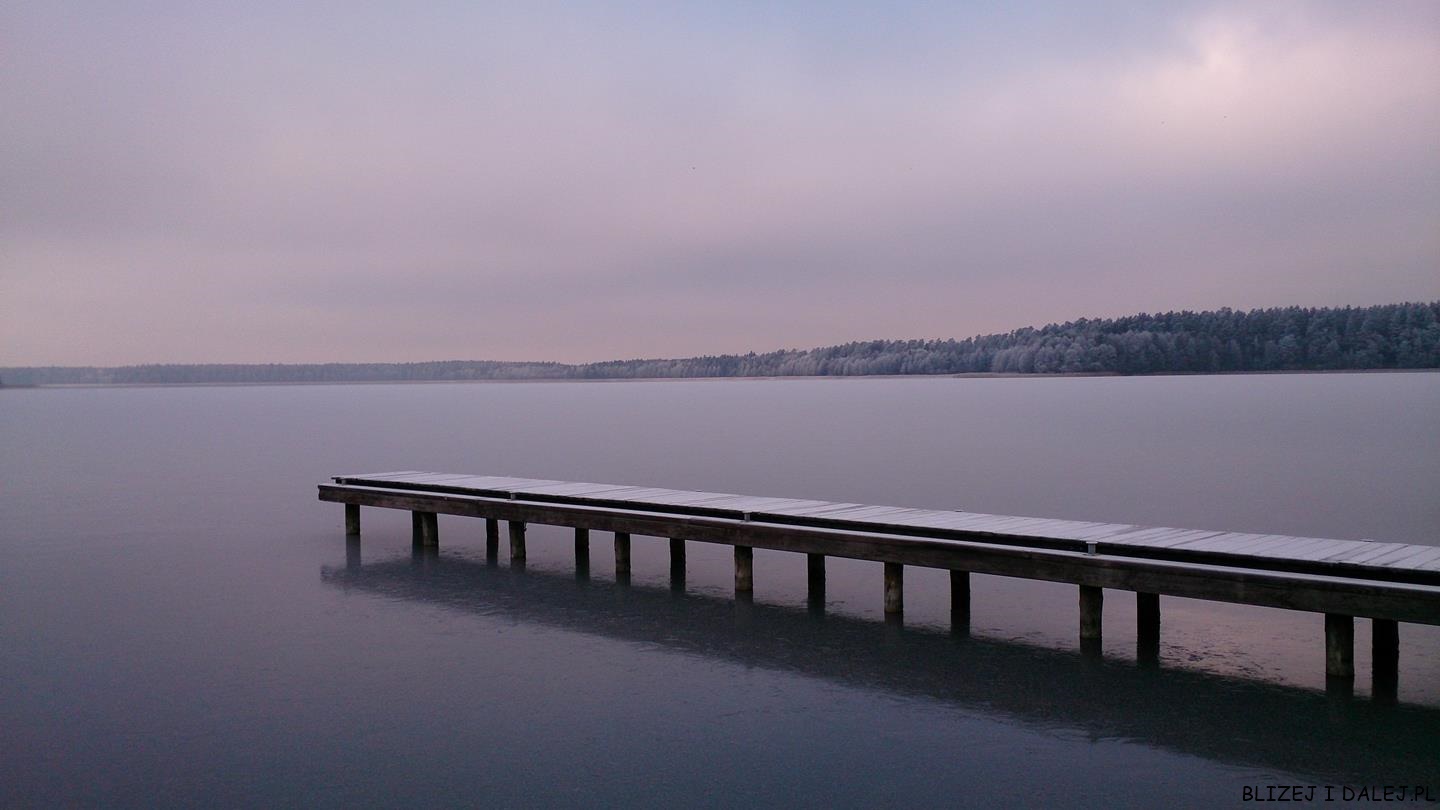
576	182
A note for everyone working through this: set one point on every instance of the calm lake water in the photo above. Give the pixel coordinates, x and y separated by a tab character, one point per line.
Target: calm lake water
182	623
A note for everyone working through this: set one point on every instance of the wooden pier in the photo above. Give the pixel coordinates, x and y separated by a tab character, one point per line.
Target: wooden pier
1387	583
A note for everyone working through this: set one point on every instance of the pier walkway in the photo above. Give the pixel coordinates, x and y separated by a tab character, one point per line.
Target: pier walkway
1343	579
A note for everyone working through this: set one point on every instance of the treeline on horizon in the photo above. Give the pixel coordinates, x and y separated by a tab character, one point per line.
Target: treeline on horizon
1392	336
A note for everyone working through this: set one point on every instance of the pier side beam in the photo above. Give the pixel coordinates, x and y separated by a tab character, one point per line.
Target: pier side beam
815	574
1339	645
894	589
622	556
677	564
744	569
352	519
424	529
492	538
517	541
1147	625
960	603
1385	659
1092	605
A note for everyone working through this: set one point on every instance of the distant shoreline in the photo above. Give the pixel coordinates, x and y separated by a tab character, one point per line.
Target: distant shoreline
549	381
1284	340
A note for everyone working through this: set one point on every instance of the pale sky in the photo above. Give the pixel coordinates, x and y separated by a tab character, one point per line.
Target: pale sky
350	181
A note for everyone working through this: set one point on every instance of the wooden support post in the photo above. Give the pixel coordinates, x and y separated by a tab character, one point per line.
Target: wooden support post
894	588
352	519
677	564
1147	626
492	539
517	541
744	569
424	528
352	552
815	574
1092	603
582	551
1339	646
1384	660
622	556
960	603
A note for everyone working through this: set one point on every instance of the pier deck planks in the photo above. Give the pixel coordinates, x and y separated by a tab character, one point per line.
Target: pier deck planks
1382	581
1395	562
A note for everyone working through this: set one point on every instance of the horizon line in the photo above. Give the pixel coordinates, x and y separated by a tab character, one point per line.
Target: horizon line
656	358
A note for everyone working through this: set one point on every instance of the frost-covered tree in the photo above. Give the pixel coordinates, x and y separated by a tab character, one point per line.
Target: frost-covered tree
1290	338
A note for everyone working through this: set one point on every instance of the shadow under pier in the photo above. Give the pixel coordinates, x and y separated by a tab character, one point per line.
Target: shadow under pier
1232	720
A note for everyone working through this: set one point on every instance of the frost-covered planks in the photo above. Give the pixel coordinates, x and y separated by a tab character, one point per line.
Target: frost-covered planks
923	518
575	490
1345	591
1282	552
848	513
1278	552
749	503
875	514
441	481
813	508
1430	562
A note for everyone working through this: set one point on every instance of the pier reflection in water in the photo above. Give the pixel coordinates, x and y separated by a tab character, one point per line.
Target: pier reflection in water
1231	720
